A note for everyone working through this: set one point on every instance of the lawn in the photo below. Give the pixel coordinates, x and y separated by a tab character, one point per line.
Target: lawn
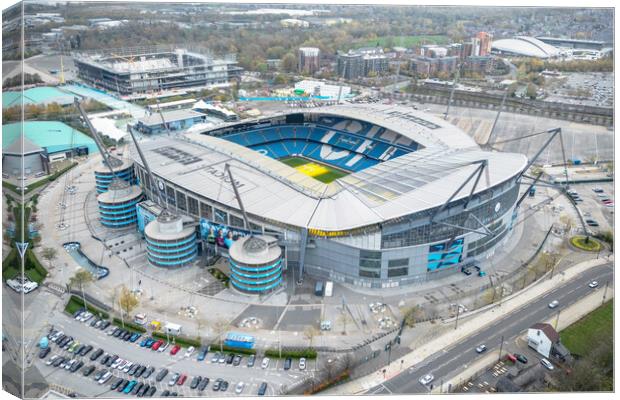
319	171
403	41
579	336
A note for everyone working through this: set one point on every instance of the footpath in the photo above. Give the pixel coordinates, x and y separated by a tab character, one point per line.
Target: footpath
468	324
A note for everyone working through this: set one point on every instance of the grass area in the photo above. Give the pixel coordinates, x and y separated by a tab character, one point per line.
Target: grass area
306	353
38	183
578	337
11	266
319	171
404	41
130	326
584	243
75	303
180	340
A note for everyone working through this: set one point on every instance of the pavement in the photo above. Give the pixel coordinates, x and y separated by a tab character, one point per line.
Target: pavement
509	319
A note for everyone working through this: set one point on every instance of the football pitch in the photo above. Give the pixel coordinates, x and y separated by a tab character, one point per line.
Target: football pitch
318	171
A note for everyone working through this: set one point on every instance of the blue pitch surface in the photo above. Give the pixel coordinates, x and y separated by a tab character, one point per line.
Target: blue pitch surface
327	142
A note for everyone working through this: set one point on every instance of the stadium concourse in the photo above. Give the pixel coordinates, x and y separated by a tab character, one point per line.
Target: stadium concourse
372	195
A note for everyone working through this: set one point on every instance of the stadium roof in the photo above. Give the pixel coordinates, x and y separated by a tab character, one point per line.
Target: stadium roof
413	182
525	46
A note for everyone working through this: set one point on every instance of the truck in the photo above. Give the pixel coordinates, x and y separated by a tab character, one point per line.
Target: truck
318	288
329	288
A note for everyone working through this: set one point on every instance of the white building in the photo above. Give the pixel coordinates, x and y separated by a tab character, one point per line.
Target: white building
318	88
542	337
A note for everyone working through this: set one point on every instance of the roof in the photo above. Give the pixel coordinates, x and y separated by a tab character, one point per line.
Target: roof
54	136
413	182
169	116
19	148
255	250
526	46
548	330
37	95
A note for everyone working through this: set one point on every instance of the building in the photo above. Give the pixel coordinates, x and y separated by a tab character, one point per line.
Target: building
478	64
391	216
362	62
122	168
145	69
255	264
484	40
23	159
175	120
574	43
322	89
428	66
117	206
294	23
545	340
309	60
41	96
216	111
171	240
525	46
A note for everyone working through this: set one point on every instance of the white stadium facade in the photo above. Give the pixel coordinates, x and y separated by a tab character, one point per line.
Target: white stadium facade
525	46
418	198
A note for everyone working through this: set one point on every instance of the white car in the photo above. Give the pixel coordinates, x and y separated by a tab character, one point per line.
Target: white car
189	351
163	347
15	285
302	364
554	304
29	287
51	360
426	379
106	377
593	284
265	363
481	349
118	362
239	387
547	364
128	366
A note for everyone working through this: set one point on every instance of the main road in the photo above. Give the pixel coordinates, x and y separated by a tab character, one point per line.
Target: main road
447	363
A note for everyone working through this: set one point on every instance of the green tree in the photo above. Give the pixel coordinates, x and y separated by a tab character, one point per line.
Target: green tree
289	62
80	279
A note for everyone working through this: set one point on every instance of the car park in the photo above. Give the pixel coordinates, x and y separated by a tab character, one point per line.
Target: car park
426	379
302	364
481	349
175	349
262	389
265	363
554	304
161	374
239	388
521	358
547	364
203	384
173	380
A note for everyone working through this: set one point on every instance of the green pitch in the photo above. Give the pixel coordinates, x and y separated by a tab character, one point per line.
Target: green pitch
319	171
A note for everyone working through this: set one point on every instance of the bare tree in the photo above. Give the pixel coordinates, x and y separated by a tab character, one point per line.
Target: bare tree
220	327
309	333
81	279
49	254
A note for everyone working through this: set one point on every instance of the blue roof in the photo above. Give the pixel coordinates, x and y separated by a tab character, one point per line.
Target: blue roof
54	136
37	95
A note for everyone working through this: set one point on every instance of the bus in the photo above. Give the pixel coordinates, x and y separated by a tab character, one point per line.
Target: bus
329	288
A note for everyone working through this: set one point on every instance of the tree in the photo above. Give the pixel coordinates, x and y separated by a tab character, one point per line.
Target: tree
81	279
413	314
49	254
531	91
289	62
220	327
344	318
128	301
309	333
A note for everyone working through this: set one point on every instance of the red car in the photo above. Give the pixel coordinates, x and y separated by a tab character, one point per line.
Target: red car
181	379
157	344
175	349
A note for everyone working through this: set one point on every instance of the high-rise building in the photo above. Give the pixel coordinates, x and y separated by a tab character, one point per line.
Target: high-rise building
362	62
309	60
485	39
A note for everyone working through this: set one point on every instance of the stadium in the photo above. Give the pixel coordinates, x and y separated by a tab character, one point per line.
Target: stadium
372	195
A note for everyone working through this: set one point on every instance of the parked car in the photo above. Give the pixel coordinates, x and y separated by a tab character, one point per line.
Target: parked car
265	363
481	349
521	358
229	358
76	366
130	386
85	350
96	354
215	358
554	304
134	337
216	384
88	370
157	345
151	391
224	386
195	382
302	364
189	351
237	360
175	349
161	374
251	360
222	358
173	380
44	352
136	388
239	388
147	372
287	363
262	389
426	379
203	384
181	379
547	364
106	377
163	347
117	383
52	359
202	354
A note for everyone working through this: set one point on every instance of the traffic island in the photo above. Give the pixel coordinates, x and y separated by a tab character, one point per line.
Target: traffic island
585	243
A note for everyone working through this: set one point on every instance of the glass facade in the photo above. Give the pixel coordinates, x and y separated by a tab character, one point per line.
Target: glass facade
103	179
119	215
172	253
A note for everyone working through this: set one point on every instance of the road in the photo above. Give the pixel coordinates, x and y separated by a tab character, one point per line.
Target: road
449	362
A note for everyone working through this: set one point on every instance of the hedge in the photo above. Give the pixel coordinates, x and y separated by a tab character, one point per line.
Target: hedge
229	349
180	340
75	303
306	353
10	265
32	267
130	326
34	270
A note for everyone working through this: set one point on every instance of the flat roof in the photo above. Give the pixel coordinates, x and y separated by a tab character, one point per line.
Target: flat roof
37	95
170	116
413	182
54	136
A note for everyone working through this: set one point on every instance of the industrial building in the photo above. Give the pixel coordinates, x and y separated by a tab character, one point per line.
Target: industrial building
137	70
416	198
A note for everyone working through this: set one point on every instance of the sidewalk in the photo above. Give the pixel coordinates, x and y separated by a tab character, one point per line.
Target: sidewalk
467	325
